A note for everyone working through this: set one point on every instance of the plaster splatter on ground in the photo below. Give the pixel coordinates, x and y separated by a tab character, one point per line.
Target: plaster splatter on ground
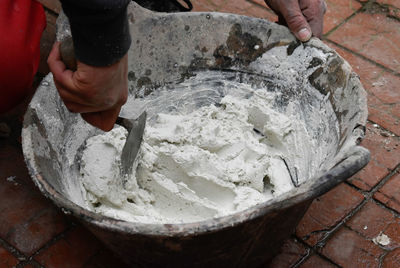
382	240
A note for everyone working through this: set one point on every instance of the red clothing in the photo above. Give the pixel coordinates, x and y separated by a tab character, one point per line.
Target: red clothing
22	23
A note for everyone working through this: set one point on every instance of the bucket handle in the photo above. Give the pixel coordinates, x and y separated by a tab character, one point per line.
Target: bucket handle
358	157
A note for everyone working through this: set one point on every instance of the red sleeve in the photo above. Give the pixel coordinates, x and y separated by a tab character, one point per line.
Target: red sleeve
21	26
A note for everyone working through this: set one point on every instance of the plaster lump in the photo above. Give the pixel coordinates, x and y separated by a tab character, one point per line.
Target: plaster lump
215	161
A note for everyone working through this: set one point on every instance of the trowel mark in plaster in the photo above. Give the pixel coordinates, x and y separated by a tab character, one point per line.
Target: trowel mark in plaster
204	164
200	185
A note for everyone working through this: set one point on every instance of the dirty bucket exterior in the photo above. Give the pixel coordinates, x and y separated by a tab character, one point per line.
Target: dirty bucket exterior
191	43
248	244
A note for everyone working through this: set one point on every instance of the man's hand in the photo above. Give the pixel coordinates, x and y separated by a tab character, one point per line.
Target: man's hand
303	17
97	93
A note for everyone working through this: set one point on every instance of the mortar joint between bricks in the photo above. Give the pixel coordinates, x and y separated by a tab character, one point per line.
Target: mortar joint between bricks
381	258
31	262
14	251
54	240
373	7
362	57
310	252
384	180
381	128
334	229
326	35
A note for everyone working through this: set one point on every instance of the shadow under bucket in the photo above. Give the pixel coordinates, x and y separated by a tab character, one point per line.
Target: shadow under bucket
167	51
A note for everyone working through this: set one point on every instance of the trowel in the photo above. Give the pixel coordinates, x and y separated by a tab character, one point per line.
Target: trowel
135	126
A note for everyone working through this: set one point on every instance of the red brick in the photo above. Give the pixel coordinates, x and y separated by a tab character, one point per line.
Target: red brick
237	5
12	165
386	88
74	250
393	12
258	2
396	110
384	149
393	232
291	252
395	3
262	13
378	113
348	249
242	8
316	261
369	176
389	194
385	155
7	260
205	5
327	211
261	10
375	36
30	265
337	11
383	91
27	220
219	4
373	220
392	259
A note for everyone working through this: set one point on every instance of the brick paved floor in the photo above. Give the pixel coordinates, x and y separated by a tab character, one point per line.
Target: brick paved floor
356	224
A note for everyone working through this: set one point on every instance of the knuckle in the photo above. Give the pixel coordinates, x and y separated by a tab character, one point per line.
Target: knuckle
117	99
314	9
294	17
85	91
318	8
295	21
83	79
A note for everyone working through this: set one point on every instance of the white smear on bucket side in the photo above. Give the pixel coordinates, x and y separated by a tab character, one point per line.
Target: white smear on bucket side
193	167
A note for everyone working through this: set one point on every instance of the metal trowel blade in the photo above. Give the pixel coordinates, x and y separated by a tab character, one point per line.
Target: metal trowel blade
131	148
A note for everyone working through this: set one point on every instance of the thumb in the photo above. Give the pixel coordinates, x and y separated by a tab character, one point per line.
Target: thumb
296	22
